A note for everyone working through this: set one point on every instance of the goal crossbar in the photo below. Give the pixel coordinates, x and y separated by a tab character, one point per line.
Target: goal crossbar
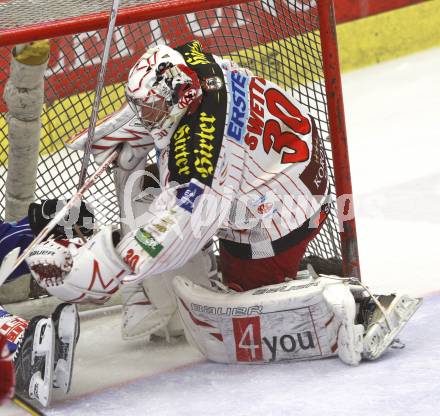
13	31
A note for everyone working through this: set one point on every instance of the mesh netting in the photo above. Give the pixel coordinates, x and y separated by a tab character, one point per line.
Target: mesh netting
39	12
278	40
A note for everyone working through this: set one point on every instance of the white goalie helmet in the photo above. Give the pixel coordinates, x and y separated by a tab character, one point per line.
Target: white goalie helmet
161	88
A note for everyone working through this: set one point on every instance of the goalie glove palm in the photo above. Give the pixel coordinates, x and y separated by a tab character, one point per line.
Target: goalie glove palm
88	273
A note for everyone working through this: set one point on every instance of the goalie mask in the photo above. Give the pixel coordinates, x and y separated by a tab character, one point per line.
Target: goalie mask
161	88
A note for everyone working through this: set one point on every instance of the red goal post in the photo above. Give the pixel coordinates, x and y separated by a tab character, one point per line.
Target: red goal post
291	42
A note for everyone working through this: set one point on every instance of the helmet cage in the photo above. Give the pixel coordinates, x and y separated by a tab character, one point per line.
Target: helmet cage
161	88
152	111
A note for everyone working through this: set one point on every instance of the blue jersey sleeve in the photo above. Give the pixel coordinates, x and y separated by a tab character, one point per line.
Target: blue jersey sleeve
16	234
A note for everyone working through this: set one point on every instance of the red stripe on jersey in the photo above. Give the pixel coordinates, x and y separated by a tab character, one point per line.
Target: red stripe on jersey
116	139
99	147
289	178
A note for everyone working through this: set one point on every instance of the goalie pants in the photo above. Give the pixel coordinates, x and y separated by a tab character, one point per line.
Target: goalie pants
245	274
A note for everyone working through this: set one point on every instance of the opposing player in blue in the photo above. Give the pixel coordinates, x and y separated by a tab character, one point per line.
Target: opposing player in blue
41	349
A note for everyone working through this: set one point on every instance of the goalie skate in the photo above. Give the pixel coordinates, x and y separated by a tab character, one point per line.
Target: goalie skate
66	322
381	331
34	361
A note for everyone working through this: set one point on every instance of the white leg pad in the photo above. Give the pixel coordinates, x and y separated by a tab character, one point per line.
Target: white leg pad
287	321
340	299
150	306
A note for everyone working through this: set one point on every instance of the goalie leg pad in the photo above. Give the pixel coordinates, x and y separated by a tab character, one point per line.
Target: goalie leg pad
288	321
341	301
150	307
140	318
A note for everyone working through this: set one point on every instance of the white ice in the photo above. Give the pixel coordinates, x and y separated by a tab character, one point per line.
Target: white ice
392	112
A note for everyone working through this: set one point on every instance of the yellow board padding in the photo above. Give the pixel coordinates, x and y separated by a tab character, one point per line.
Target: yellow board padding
389	35
26	406
4	145
67	117
290	61
361	43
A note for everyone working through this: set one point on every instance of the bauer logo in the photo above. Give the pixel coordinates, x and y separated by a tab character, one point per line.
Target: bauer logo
239	107
227	311
285	288
187	196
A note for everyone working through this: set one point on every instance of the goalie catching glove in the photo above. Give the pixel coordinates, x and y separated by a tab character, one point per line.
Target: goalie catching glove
76	272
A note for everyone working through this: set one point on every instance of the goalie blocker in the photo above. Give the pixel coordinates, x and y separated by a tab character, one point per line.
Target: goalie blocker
297	320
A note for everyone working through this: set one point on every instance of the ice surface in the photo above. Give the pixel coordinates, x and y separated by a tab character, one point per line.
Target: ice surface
392	112
402	382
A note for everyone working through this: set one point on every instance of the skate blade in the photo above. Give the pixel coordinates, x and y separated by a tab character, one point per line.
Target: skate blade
40	386
67	330
379	337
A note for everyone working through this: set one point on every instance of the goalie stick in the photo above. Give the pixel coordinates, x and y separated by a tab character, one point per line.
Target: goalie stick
97	101
57	218
8	265
11	262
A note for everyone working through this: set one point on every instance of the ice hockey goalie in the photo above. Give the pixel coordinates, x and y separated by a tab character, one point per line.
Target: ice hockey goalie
238	158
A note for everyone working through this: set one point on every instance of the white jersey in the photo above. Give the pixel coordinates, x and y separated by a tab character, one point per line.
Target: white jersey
257	187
